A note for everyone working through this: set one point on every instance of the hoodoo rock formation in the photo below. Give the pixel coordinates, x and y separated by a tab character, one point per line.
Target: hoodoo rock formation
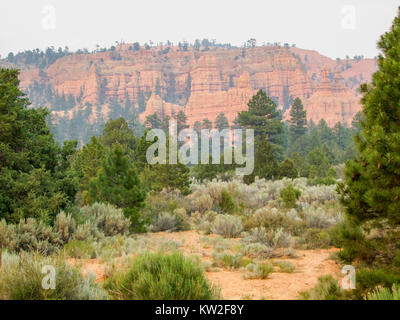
201	81
331	101
157	105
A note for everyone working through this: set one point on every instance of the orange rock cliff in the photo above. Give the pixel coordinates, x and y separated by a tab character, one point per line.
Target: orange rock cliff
203	83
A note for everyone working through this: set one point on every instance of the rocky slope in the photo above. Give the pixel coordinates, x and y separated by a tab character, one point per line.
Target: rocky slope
203	82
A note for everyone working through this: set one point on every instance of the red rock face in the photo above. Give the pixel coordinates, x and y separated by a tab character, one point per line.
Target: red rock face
160	107
331	101
206	83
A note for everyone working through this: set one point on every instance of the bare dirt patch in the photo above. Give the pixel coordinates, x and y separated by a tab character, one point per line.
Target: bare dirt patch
309	266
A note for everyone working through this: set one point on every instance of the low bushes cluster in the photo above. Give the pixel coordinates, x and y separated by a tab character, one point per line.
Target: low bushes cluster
94	222
229	260
227	226
21	279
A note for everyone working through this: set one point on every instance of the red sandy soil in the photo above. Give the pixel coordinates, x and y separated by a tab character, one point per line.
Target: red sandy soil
309	266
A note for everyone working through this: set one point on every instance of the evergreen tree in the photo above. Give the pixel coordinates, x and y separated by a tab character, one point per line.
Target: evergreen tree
153	121
35	177
325	133
319	161
118	131
169	176
372	185
207	124
117	183
263	116
298	120
181	121
197	127
265	162
86	164
221	122
287	169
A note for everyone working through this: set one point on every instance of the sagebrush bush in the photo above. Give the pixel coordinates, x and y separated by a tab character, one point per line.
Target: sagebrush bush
318	218
7	234
258	270
164	201
227	226
202	203
272	219
164	221
229	260
156	276
175	221
65	226
106	218
284	266
257	250
272	238
21	279
30	235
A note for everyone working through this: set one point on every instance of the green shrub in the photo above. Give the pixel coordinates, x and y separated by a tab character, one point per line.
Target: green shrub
327	289
285	266
80	249
350	238
368	280
226	203
21	279
155	276
385	294
289	196
227	226
317	239
396	259
327	181
258	270
229	260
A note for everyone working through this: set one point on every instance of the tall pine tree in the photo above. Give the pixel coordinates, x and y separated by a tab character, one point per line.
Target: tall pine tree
372	185
298	120
221	122
35	176
263	117
117	183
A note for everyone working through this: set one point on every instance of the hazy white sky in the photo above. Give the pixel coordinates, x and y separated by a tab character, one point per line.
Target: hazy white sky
335	28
